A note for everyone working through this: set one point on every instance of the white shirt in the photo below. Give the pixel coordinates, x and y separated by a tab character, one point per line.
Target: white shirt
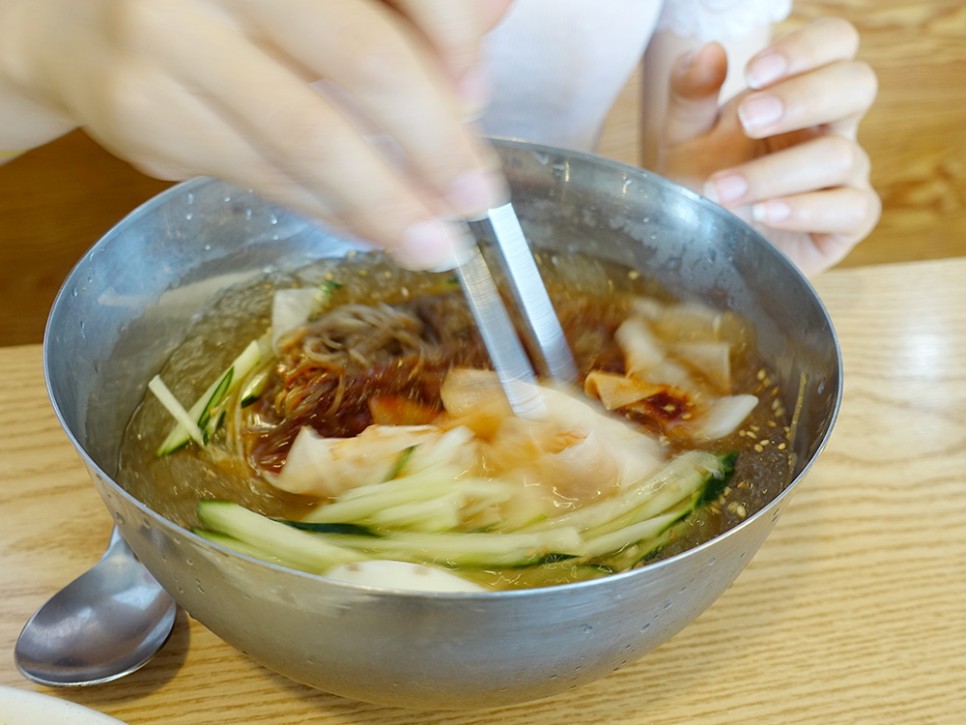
556	66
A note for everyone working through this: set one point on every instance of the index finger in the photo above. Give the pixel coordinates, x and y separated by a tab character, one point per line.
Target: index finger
455	28
818	44
388	85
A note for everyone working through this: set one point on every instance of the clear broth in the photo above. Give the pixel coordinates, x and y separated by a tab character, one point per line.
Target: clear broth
172	485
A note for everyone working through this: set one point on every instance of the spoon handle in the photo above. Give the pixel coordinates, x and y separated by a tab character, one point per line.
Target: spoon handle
116	545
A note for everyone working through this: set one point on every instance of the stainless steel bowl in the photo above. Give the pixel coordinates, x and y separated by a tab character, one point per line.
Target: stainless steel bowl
129	301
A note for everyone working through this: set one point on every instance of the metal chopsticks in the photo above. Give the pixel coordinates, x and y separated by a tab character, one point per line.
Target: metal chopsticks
506	351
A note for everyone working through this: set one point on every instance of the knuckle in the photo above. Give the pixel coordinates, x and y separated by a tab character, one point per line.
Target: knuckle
872	208
395	214
382	59
303	136
865	78
841	30
306	133
862	164
862	212
844	155
125	101
460	53
133	24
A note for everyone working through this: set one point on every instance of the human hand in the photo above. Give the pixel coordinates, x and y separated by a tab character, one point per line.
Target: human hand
783	153
225	88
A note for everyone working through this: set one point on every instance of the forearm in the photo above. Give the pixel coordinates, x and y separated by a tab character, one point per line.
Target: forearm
28	116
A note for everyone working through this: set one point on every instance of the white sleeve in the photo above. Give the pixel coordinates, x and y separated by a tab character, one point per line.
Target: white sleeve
709	20
556	66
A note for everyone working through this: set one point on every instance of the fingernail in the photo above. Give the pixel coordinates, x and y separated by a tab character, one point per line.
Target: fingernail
770	212
726	189
473	89
474	192
433	245
765	69
760	111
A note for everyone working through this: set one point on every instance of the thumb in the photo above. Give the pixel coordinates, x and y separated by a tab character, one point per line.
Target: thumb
696	81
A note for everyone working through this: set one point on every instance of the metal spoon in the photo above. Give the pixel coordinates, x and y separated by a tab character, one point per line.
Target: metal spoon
105	624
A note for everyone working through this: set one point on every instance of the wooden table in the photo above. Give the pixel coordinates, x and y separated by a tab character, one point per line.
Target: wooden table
854	610
58	200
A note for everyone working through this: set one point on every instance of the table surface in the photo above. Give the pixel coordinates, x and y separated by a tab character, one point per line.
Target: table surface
854	610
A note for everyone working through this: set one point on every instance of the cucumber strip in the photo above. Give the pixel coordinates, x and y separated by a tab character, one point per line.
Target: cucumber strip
301	549
440	513
716	485
210	419
641	551
686	489
358	508
357	504
462	502
177	411
679	479
342	529
216	392
442	453
230	542
474	550
638	553
524	509
254	387
400	462
414	487
319	551
413	518
634	533
328	288
401	501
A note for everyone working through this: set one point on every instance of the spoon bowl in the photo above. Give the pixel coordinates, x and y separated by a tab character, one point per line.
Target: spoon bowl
105	624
